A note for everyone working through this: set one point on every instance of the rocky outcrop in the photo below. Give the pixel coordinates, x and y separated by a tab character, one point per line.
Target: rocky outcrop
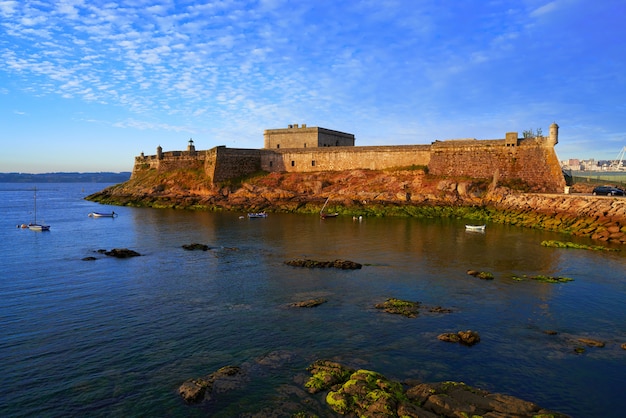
368	393
400	307
468	337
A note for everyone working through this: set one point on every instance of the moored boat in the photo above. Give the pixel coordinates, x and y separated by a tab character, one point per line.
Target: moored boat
257	215
34	226
477	228
102	215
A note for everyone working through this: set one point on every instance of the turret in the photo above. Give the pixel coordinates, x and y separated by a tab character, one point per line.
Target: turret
191	149
159	153
554	134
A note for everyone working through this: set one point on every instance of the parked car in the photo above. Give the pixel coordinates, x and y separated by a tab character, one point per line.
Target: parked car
608	191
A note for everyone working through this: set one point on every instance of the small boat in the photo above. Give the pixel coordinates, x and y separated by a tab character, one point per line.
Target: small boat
34	226
477	228
102	215
257	215
327	215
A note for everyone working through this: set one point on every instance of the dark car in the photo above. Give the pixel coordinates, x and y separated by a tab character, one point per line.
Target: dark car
607	191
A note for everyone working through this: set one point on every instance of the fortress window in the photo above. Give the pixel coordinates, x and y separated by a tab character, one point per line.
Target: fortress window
305	145
293	163
277	145
271	163
313	163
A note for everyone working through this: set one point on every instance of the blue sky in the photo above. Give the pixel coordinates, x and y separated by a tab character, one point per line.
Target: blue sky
87	85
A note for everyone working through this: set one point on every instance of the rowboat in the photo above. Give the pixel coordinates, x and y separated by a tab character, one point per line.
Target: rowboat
102	215
327	215
476	228
257	215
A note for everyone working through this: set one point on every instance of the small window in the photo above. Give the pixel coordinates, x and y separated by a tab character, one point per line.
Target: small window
293	163
277	145
305	145
271	163
313	163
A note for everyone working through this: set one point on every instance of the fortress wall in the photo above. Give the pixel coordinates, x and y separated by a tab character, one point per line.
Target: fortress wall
345	158
226	163
171	160
531	162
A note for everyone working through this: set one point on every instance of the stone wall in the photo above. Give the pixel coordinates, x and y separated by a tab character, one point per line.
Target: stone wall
531	162
226	163
345	158
171	160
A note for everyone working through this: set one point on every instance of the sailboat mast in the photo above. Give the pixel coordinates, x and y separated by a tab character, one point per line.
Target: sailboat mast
35	205
321	211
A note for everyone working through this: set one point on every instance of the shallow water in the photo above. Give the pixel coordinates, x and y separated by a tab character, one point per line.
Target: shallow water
117	337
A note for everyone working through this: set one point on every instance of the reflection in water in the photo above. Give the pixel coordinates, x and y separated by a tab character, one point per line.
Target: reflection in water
122	334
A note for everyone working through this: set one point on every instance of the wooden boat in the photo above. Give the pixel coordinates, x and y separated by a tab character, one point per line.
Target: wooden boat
102	215
257	215
327	215
34	226
476	228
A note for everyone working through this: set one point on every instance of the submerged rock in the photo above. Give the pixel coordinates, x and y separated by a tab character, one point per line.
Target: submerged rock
468	337
200	389
310	303
339	264
195	246
122	253
481	274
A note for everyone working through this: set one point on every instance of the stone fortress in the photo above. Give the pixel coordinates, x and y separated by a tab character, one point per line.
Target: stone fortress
309	149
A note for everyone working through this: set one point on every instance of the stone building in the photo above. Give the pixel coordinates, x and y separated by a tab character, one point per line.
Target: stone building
305	137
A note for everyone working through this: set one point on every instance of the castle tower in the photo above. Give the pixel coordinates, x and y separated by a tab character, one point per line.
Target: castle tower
191	149
554	134
159	153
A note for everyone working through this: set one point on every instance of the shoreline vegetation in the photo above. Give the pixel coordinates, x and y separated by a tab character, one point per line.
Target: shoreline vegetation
404	192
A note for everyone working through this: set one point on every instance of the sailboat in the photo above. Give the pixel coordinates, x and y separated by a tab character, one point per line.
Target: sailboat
34	226
327	215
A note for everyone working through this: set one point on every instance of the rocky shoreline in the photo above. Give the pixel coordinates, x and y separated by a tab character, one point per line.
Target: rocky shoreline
402	192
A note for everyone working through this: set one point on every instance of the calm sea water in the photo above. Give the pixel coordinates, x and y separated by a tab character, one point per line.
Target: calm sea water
115	337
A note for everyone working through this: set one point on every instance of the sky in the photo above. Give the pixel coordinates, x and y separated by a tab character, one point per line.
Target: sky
87	85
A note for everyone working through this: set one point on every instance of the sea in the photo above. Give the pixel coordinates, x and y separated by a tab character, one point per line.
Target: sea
84	334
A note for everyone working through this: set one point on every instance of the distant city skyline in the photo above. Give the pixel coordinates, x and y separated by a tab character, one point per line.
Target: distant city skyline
86	86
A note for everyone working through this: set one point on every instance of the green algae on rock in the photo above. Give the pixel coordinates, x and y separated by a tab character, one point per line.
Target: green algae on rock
543	278
401	307
368	393
568	244
484	275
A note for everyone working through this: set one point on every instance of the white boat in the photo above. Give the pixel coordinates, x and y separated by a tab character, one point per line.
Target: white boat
257	215
477	228
102	215
34	226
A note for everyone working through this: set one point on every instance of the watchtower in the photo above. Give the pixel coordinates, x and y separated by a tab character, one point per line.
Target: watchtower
553	139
